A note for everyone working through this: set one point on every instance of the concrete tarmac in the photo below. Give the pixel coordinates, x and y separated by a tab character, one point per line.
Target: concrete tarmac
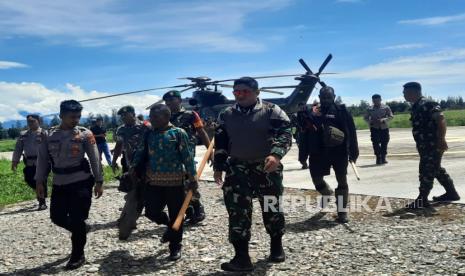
398	178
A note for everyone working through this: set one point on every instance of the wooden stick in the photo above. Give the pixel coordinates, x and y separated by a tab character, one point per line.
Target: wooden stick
187	199
354	167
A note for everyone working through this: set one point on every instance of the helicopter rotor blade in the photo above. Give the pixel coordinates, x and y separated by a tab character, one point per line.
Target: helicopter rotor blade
133	92
323	65
302	62
188	88
161	100
261	89
271	91
280	87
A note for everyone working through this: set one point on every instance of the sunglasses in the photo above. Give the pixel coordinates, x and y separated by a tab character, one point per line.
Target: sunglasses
237	92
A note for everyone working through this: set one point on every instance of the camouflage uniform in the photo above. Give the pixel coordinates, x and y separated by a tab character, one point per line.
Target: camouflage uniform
424	129
131	137
243	140
189	121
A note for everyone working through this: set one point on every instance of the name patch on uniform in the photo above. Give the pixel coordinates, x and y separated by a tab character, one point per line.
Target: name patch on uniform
75	149
332	116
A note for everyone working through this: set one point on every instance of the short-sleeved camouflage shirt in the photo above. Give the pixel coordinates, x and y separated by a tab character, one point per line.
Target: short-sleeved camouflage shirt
424	127
131	137
189	121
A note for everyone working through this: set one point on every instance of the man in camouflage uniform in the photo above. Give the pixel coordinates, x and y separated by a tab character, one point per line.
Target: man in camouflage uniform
28	143
168	160
189	121
65	148
429	132
128	137
251	139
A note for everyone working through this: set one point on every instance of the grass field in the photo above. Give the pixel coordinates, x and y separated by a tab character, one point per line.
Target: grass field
7	145
453	117
13	188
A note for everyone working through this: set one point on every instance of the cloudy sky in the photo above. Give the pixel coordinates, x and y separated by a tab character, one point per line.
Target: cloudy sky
56	50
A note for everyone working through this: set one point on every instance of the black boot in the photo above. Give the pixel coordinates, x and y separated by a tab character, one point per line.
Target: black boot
421	201
276	250
189	214
326	191
451	193
383	159
342	211
199	212
42	204
75	262
78	241
378	160
241	261
175	252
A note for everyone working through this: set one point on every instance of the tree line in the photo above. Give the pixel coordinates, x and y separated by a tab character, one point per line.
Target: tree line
403	106
111	122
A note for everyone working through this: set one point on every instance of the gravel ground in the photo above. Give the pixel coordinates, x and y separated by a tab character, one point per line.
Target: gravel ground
373	243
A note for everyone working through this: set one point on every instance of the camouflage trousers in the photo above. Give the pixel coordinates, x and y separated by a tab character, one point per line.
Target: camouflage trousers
430	168
131	211
243	182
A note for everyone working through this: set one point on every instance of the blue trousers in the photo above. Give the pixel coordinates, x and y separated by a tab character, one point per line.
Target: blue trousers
103	147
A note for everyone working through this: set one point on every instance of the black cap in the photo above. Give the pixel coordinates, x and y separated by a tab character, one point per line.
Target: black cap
376	96
248	81
171	94
99	119
126	109
326	89
34	116
413	84
70	106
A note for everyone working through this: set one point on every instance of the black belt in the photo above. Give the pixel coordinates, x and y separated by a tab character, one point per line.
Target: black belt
84	166
235	160
31	157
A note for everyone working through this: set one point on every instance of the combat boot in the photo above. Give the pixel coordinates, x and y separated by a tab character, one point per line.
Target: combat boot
189	214
326	191
175	252
241	261
75	262
199	212
421	201
383	159
276	250
451	193
378	160
342	212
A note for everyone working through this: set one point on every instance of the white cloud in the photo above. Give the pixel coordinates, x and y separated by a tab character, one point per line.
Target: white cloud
443	66
436	20
11	64
204	25
36	98
404	46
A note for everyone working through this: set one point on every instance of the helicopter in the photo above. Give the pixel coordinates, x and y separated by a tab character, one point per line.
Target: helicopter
208	101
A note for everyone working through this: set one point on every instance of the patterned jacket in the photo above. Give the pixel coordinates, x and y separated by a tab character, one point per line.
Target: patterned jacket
167	156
